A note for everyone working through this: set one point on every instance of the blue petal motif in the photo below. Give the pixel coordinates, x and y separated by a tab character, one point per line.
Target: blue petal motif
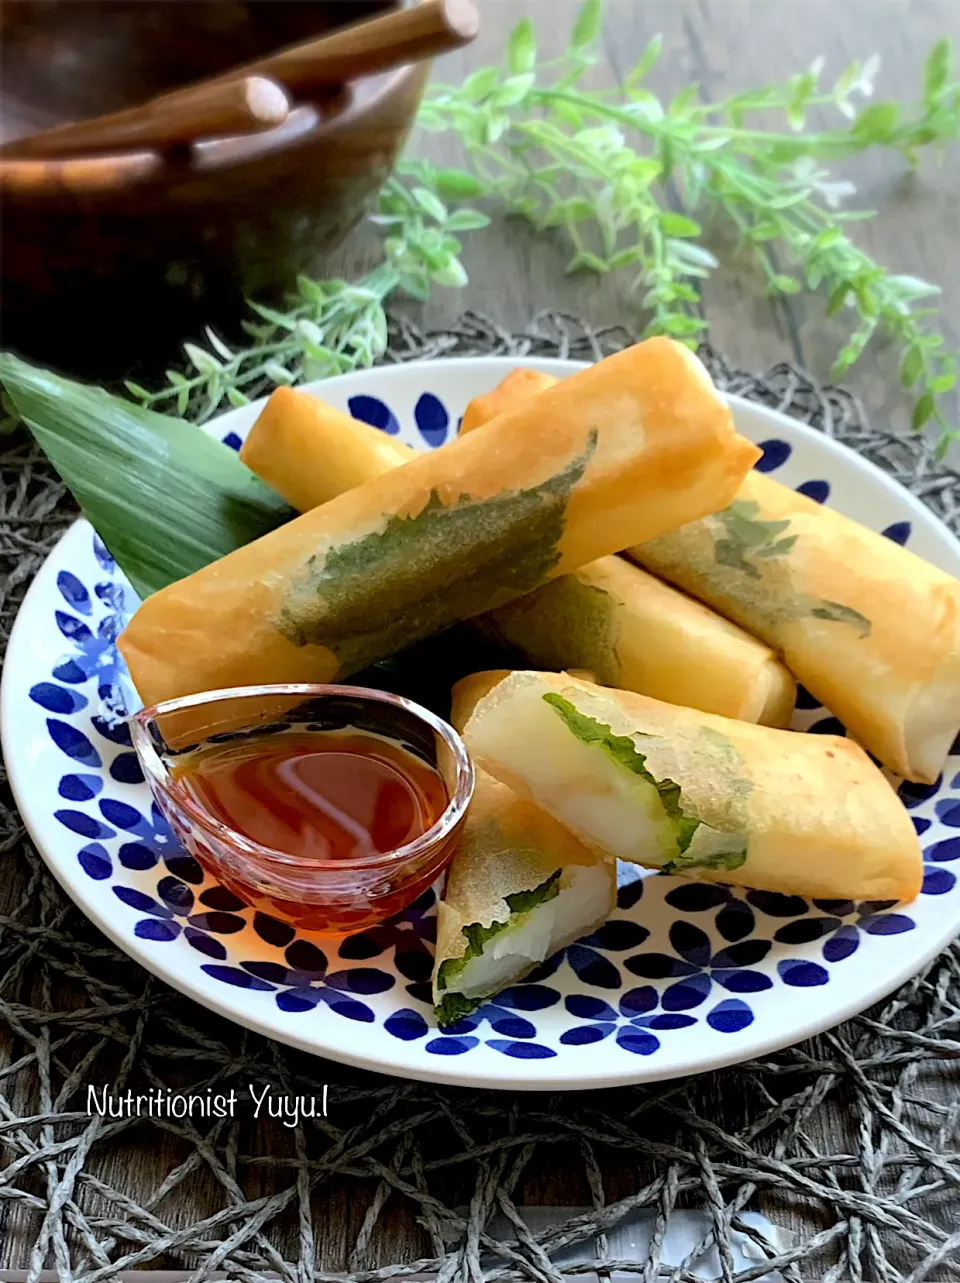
273	930
57	699
86	825
920	824
801	974
450	1046
743	981
730	1016
912	795
528	997
745	954
95	861
222	924
73	592
407	1025
948	812
375	412
73	742
137	855
234	976
735	920
582	1035
125	769
778	906
641	1044
522	1050
204	944
665	1020
943	852
635	1002
220	898
141	902
349	1008
175	894
617	935
366	980
184	867
887	924
121	814
842	944
156	929
432	419
232	439
68	670
691	943
586	1007
511	1026
79	788
938	881
592	968
696	897
775	455
899	532
659	966
115	732
818	491
686	993
827	726
304	956
414	964
805	699
102	555
806	929
72	628
630	894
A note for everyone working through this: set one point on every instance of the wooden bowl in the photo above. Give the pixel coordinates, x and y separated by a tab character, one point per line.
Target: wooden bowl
107	264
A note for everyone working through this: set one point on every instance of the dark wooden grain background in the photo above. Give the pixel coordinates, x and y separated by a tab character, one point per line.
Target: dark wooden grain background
726	45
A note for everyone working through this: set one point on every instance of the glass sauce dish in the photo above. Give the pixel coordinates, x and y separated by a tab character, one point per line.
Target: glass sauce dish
332	807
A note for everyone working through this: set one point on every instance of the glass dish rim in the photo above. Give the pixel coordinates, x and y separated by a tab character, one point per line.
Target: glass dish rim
159	776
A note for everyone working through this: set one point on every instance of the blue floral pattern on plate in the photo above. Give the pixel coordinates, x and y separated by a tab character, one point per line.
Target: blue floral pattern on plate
685	973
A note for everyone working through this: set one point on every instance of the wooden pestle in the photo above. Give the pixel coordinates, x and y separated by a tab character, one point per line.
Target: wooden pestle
248	104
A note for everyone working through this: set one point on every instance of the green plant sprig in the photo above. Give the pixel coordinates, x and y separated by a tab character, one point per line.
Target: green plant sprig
629	181
331	327
597	166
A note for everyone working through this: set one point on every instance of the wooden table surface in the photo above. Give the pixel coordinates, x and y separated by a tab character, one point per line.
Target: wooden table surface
726	45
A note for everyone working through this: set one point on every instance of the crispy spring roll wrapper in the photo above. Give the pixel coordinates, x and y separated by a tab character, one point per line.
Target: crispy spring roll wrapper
625	626
310	452
520	887
625	450
696	794
518	385
632	631
871	629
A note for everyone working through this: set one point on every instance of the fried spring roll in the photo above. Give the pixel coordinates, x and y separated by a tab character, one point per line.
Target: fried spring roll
309	452
635	633
519	384
871	629
699	795
622	452
520	887
630	630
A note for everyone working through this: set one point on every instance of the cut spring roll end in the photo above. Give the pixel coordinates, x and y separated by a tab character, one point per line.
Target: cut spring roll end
519	888
699	795
519	384
621	452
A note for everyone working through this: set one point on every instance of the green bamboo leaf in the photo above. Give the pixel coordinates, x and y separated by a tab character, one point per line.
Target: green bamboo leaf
164	495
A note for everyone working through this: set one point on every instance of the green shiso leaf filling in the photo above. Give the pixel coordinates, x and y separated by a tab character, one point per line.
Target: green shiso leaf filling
375	595
725	861
454	1006
622	750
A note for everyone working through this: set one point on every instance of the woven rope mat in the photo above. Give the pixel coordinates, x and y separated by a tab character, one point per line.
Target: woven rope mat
850	1140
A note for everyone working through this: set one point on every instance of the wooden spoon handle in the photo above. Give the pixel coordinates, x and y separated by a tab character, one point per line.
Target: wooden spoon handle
366	48
209	110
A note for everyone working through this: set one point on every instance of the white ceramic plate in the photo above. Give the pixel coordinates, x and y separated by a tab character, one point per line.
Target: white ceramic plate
685	977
